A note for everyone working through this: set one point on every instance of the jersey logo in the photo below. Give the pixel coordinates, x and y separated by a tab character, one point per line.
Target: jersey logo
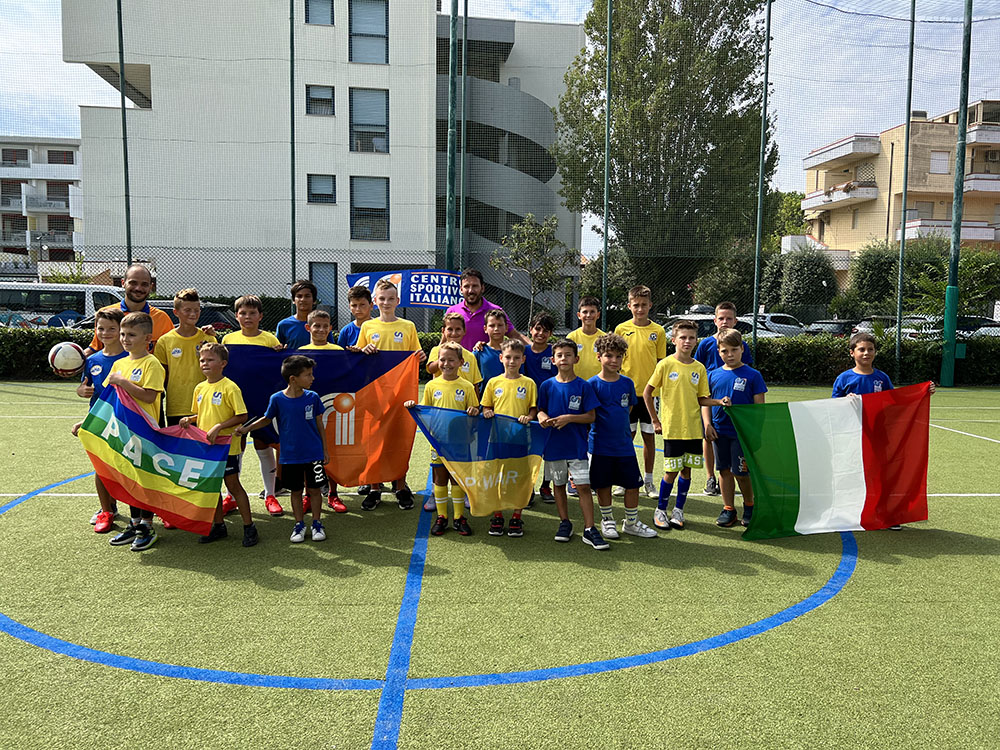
498	392
96	370
574	403
740	384
176	352
629	333
546	363
217	398
309	411
695	377
624	400
465	367
199	398
673	376
652	337
460	395
397	336
437	395
522	392
376	336
136	375
878	386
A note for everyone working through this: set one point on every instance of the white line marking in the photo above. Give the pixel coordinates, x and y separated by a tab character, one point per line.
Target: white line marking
967	434
959	494
972	421
40	416
965	407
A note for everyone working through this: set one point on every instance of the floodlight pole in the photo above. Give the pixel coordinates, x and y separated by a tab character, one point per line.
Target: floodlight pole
760	180
449	229
951	291
462	192
121	91
607	166
291	119
906	184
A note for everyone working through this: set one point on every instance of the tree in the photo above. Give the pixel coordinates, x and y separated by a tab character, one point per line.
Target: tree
730	277
808	284
685	95
621	278
783	215
533	252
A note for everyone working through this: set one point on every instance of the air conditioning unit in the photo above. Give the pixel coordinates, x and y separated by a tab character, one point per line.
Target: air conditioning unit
993	155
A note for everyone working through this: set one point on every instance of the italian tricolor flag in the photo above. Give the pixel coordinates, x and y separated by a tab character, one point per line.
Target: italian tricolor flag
839	464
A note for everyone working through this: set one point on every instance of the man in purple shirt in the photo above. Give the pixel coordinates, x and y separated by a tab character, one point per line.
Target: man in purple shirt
474	307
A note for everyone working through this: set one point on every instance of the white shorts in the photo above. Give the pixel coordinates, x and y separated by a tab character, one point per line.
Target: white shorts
645	427
559	472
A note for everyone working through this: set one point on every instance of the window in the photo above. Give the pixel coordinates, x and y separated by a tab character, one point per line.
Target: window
370	120
15	157
319	100
57	191
940	162
925	209
322	188
60	157
13	299
319	11
369	31
369	208
103	299
854	218
59	301
61	224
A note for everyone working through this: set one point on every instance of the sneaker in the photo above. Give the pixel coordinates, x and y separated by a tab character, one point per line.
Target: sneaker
712	487
167	524
430	504
547	497
618	491
298	533
94	518
336	504
896	527
145	537
439	526
650	490
317	532
726	518
468	505
371	501
564	532
660	519
677	518
515	527
250	537
125	536
593	537
609	529
228	505
218	531
306	505
638	528
364	490
105	521
747	515
404	499
496	526
571	489
462	526
272	506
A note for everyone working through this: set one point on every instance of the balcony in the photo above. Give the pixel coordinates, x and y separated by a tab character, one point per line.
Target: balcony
11	201
983	135
982	183
973	231
18	237
52	239
839	196
846	151
37	203
15	163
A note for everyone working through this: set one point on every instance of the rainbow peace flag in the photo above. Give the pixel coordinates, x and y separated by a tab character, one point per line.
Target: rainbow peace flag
495	460
174	472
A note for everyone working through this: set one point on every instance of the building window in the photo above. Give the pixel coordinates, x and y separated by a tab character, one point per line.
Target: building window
920	210
60	157
369	208
15	157
322	188
369	31
370	120
319	11
319	100
57	191
854	218
940	162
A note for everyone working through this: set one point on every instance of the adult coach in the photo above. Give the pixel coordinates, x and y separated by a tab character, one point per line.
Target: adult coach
138	283
473	309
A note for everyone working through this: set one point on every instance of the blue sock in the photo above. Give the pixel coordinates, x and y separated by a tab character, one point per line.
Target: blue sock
683	485
665	489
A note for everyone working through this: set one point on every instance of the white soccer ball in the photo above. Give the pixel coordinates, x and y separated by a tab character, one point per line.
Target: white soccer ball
66	358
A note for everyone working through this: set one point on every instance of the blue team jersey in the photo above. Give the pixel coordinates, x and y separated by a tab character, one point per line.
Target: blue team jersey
295	421
349	334
489	363
293	334
539	366
852	382
556	399
707	352
741	385
97	368
611	432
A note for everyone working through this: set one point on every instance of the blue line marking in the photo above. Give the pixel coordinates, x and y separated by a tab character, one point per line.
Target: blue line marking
18	500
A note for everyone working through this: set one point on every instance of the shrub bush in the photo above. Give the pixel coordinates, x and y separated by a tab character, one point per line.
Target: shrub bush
24	351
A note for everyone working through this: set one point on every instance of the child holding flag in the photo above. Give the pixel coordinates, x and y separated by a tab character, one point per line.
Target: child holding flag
359	300
177	351
538	366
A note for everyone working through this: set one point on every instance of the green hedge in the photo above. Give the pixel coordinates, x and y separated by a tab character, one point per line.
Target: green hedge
24	352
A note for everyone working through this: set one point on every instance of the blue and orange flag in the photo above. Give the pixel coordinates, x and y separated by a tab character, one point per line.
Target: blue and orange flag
173	472
368	432
495	460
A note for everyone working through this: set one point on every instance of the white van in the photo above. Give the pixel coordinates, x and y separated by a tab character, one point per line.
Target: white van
29	305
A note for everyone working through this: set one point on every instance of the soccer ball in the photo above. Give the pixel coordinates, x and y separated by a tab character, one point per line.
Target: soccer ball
66	359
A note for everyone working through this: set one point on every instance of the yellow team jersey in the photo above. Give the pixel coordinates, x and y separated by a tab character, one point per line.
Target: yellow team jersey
588	366
512	397
263	338
179	356
146	372
646	346
679	387
469	368
449	394
398	336
214	403
323	347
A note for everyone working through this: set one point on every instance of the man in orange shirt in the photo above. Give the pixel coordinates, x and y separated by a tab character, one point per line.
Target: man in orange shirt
138	283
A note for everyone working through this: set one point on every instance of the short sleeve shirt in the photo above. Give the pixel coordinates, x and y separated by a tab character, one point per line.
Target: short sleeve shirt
741	385
512	397
539	365
327	347
469	368
162	324
489	363
398	336
97	369
214	403
449	394
853	382
292	333
646	346
146	372
475	322
611	432
348	335
589	365
556	398
263	338
707	352
295	419
179	357
679	387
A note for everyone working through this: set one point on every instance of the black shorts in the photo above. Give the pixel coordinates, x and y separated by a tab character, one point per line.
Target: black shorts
640	413
311	475
620	471
233	464
677	448
174	421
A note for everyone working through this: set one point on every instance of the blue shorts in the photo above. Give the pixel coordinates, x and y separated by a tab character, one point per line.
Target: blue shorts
729	456
621	471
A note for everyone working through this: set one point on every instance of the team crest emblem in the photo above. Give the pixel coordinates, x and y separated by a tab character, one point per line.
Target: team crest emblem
652	337
546	363
574	403
522	392
460	395
176	352
376	336
624	400
200	397
136	375
96	370
498	392
437	395
740	384
397	336
878	386
695	377
217	398
673	376
309	410
339	408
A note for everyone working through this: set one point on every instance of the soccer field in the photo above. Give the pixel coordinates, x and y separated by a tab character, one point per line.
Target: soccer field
381	637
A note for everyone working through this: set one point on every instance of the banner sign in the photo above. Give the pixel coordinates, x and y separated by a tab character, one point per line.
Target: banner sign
418	288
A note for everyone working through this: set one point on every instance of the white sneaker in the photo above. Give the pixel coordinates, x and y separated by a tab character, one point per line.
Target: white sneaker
318	533
430	504
638	529
650	490
609	529
298	533
677	518
660	519
618	491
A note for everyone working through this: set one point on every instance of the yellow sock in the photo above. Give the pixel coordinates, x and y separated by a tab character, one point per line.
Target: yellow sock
441	499
457	500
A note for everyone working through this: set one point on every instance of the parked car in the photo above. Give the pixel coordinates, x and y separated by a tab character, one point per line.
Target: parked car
837	328
25	304
745	325
931	327
781	323
983	332
875	324
706	325
220	317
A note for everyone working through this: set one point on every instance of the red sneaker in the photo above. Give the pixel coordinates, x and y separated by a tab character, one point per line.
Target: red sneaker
306	505
167	524
228	505
273	506
104	522
336	504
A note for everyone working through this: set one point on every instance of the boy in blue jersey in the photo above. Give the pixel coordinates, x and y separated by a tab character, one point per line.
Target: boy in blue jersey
107	323
566	405
539	367
863	377
741	384
293	331
613	460
359	299
299	414
488	354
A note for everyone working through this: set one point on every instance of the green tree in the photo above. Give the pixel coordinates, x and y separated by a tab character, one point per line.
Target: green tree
808	284
685	96
978	284
783	215
730	277
533	253
621	277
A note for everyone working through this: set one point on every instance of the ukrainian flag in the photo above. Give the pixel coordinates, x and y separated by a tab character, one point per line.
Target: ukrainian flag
495	460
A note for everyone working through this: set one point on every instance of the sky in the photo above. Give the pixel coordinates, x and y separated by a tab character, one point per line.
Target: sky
837	67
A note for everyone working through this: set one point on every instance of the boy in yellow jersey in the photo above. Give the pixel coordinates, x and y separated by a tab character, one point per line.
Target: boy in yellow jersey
585	337
681	382
219	409
177	351
319	324
250	312
141	376
647	345
513	395
388	333
449	390
453	329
